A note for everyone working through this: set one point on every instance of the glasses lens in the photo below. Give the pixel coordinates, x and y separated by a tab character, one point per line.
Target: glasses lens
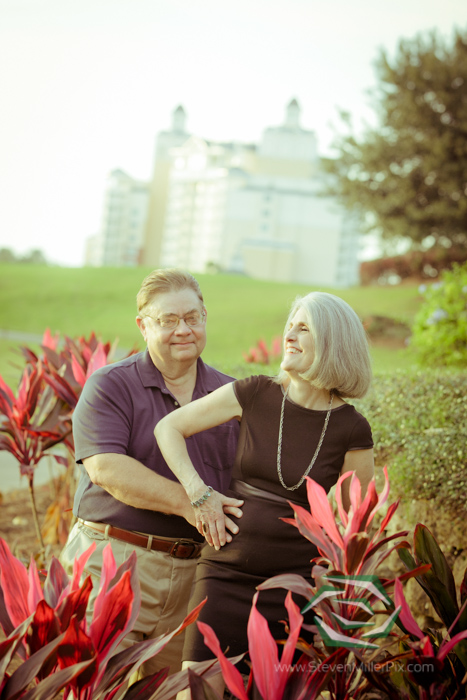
193	319
168	321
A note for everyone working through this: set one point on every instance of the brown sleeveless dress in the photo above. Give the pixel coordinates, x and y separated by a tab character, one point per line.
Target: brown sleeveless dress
266	546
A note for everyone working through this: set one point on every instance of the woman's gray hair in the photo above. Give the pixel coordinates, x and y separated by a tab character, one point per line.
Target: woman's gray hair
342	359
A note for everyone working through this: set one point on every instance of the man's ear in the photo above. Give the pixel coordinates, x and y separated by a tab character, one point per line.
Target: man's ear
141	326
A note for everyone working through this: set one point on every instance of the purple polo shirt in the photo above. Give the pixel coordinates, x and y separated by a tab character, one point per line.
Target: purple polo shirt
117	412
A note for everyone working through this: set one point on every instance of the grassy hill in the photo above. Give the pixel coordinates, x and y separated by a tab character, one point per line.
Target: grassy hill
76	301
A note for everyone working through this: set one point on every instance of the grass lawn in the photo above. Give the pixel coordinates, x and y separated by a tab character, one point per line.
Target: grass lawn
76	301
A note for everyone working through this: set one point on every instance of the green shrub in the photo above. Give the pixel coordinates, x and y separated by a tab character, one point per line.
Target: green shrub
419	424
440	326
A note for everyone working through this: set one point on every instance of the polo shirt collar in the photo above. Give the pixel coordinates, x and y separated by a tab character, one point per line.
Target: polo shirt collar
206	380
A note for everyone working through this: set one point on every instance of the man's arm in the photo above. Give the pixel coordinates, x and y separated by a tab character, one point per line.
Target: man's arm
132	483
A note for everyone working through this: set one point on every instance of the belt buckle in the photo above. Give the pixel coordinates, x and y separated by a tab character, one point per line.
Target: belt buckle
183	543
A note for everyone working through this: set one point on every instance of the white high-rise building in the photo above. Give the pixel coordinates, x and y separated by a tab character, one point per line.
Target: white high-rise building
120	240
253	209
258	210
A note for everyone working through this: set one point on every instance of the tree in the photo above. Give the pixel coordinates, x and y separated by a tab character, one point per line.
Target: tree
408	178
7	255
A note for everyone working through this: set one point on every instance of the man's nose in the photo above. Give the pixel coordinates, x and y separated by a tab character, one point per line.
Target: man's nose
182	327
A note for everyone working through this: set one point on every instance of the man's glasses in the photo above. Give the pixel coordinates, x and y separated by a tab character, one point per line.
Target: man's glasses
171	321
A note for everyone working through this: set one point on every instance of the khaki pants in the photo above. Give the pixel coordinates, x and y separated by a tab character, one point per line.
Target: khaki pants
165	590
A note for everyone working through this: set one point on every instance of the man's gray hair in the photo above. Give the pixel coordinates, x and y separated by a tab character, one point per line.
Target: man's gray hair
163	281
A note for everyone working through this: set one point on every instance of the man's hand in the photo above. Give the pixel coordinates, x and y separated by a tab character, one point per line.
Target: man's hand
212	519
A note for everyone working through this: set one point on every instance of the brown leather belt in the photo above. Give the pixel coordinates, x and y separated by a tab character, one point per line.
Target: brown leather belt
180	549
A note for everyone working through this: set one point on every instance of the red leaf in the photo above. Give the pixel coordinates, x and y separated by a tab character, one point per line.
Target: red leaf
29	670
355	548
405	615
129	565
120	666
295	624
145	688
7	649
98	359
310	529
43	629
75	648
49	340
355	493
231	675
15	585
62	389
388	517
264	655
321	511
56	583
9	445
51	358
35	593
276	348
291	582
74	604
447	645
79	564
192	616
360	517
6	389
78	371
108	629
108	571
340	507
51	686
383	496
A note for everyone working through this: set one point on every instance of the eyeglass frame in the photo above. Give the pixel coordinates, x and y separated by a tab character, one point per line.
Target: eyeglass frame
169	328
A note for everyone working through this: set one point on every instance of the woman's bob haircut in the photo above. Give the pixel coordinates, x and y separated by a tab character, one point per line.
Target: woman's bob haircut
342	360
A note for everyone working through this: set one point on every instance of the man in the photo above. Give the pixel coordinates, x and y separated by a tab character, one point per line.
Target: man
126	488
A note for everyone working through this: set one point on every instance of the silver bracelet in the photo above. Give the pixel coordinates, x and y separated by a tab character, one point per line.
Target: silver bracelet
200	501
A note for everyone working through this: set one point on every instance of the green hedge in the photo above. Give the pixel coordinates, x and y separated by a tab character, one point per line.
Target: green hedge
419	424
439	333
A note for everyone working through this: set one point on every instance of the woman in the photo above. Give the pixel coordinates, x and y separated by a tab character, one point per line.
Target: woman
292	426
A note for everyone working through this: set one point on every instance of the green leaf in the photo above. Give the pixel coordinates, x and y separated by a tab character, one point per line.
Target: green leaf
407	559
428	551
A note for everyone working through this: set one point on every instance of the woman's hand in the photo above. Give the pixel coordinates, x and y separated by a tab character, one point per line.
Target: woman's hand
212	520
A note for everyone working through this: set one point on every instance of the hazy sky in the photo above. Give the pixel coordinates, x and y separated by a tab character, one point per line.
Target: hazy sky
85	85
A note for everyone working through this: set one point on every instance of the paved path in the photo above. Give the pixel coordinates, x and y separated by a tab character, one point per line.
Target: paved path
10	478
19	335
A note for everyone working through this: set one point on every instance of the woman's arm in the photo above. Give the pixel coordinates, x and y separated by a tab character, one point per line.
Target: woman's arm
171	431
362	462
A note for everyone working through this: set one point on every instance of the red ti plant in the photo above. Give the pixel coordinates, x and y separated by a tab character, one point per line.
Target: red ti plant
440	662
347	594
270	678
261	354
61	648
66	371
431	670
30	425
